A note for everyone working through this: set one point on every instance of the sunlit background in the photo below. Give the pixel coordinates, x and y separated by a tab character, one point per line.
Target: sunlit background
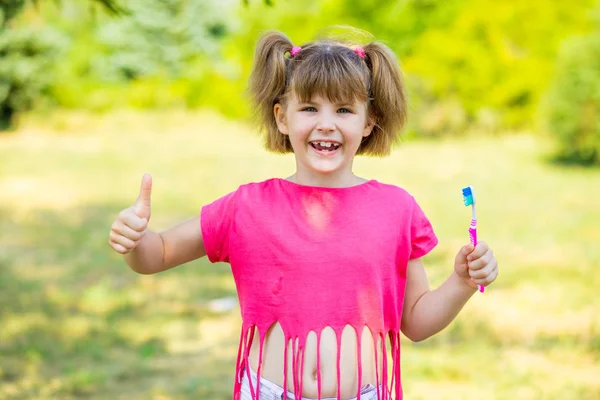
504	96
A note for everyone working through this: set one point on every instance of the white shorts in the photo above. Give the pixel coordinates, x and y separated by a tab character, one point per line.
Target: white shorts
272	391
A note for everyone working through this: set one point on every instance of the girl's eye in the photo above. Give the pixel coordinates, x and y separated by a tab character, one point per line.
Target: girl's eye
345	110
309	109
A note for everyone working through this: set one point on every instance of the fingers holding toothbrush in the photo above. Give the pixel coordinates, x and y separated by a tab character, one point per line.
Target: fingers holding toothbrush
476	264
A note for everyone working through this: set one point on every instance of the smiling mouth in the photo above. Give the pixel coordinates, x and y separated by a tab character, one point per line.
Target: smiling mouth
325	146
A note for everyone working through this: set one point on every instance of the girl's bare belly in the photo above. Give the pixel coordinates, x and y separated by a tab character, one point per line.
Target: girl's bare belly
272	364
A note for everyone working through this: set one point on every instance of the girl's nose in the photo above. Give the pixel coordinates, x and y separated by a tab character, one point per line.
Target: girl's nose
326	124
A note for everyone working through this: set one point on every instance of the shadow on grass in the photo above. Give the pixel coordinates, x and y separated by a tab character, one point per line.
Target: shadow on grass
78	323
591	161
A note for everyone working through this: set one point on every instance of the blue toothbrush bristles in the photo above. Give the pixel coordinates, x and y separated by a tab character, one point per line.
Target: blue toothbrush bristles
468	196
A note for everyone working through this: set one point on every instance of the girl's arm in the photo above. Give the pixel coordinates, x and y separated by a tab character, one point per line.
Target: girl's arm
158	252
426	312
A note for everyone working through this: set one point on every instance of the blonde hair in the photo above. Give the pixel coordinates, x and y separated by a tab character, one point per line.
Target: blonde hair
332	69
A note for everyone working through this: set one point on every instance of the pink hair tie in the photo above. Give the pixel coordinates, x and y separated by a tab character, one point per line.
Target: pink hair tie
360	52
295	50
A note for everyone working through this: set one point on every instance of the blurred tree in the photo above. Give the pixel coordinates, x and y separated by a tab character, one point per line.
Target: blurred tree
159	54
160	37
10	8
469	63
267	2
493	58
571	108
25	56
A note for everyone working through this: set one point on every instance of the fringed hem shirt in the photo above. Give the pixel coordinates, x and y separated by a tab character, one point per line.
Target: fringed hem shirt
311	257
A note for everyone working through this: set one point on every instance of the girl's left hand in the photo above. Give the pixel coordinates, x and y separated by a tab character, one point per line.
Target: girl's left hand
476	265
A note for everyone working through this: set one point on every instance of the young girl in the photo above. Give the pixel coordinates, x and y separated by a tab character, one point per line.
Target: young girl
327	264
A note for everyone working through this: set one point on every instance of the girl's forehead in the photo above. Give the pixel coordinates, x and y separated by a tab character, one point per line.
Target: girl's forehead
317	98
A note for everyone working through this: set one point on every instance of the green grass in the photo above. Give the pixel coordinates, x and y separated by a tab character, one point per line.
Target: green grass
76	322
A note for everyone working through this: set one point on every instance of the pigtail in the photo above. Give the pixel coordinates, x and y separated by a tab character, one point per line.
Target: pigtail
268	84
388	98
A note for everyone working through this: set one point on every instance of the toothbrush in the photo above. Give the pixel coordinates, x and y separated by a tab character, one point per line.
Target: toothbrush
469	199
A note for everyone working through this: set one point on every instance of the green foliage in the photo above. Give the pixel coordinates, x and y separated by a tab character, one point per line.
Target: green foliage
157	55
8	9
27	55
493	58
112	6
267	2
572	104
469	64
159	37
11	8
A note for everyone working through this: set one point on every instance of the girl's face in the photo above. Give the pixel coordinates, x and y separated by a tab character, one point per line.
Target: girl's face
325	137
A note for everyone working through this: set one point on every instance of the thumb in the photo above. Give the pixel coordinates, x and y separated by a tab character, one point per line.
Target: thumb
142	204
464	251
467	249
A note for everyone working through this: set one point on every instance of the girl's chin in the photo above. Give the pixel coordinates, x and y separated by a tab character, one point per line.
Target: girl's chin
323	167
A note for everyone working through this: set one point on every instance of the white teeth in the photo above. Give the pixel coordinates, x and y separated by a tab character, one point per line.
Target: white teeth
326	144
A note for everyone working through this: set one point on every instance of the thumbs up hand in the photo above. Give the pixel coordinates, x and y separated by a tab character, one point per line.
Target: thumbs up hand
131	225
142	204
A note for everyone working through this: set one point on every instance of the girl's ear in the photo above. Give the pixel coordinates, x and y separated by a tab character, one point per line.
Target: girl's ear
279	113
369	127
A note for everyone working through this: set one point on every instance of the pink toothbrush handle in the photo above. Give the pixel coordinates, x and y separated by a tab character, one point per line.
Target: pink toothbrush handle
473	237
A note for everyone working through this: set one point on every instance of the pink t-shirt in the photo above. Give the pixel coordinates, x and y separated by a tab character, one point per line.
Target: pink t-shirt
311	257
